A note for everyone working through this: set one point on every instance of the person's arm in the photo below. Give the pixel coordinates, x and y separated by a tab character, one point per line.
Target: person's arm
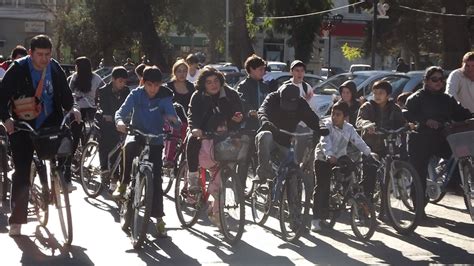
364	116
195	111
9	83
397	117
170	113
453	85
326	146
126	108
459	113
413	110
308	116
267	107
357	141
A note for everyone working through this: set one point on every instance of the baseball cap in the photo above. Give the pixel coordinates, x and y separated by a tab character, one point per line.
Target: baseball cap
289	97
296	63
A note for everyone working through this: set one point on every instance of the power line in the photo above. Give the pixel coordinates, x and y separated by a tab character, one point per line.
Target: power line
315	13
435	13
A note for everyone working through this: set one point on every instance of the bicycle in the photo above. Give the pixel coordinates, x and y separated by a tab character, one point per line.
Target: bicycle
135	206
346	190
230	196
460	142
53	145
402	191
94	180
170	171
4	167
290	190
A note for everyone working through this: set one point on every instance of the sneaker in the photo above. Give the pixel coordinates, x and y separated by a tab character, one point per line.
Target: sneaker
119	191
316	225
160	228
15	230
214	218
193	182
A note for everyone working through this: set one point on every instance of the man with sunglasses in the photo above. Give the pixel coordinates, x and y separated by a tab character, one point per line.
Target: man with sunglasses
431	108
460	83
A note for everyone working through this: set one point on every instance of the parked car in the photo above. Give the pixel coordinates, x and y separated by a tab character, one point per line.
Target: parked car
332	71
364	81
359	67
416	80
275	66
319	103
104	71
231	72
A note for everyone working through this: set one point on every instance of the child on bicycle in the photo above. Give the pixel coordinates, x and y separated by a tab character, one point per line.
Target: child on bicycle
150	105
331	148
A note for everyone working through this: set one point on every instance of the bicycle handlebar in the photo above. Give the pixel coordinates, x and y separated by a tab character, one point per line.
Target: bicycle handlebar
24	126
295	134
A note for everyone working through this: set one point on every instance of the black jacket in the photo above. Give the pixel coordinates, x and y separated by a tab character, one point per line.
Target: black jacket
207	112
17	83
109	102
438	106
182	99
248	89
271	111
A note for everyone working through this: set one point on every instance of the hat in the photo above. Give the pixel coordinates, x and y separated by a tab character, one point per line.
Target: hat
351	86
297	63
289	97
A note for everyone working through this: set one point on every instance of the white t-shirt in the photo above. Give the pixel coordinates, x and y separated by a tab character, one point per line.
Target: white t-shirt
305	95
461	88
86	100
193	79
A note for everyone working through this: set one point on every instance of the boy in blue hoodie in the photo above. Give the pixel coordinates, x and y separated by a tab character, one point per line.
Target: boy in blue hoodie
150	105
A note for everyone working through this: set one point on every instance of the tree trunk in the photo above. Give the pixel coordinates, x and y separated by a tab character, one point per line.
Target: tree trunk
455	37
241	44
151	42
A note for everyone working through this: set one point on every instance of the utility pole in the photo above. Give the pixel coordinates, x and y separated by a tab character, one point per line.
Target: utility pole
374	22
227	30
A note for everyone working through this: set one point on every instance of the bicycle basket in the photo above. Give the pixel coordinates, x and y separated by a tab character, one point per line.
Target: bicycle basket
461	144
231	148
52	142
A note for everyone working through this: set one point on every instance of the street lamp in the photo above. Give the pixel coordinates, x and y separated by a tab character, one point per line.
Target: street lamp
329	23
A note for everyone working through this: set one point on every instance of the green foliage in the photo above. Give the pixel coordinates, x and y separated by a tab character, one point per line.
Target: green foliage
351	53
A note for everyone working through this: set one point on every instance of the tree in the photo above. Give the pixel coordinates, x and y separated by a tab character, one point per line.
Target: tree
241	44
302	30
454	48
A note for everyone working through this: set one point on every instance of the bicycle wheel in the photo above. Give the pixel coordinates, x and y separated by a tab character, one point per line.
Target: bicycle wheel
231	206
4	170
168	177
404	197
142	204
434	188
126	211
251	175
90	170
261	203
293	206
188	205
363	222
39	196
63	206
468	185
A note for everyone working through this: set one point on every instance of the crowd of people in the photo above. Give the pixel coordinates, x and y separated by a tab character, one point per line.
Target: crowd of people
196	101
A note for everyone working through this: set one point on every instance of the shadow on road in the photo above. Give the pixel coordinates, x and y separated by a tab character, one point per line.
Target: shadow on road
43	249
102	205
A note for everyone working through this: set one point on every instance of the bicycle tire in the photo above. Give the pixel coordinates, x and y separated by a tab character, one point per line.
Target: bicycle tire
63	206
188	206
4	171
90	172
468	186
143	197
440	177
251	175
293	198
333	208
39	196
231	206
360	204
406	216
168	177
261	210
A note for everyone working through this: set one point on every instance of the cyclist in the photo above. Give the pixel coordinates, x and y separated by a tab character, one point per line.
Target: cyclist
17	53
193	68
84	84
460	83
35	72
282	109
212	104
348	92
183	90
150	106
109	99
431	108
385	114
328	151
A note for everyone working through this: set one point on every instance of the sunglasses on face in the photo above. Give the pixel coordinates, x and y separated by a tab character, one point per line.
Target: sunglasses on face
436	79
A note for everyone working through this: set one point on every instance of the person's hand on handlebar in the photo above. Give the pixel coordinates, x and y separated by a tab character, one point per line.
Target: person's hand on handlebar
237	117
253	113
121	127
197	133
9	125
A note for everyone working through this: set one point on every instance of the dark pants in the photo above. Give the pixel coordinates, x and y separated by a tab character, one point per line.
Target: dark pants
323	173
421	147
77	129
132	150
109	137
192	153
